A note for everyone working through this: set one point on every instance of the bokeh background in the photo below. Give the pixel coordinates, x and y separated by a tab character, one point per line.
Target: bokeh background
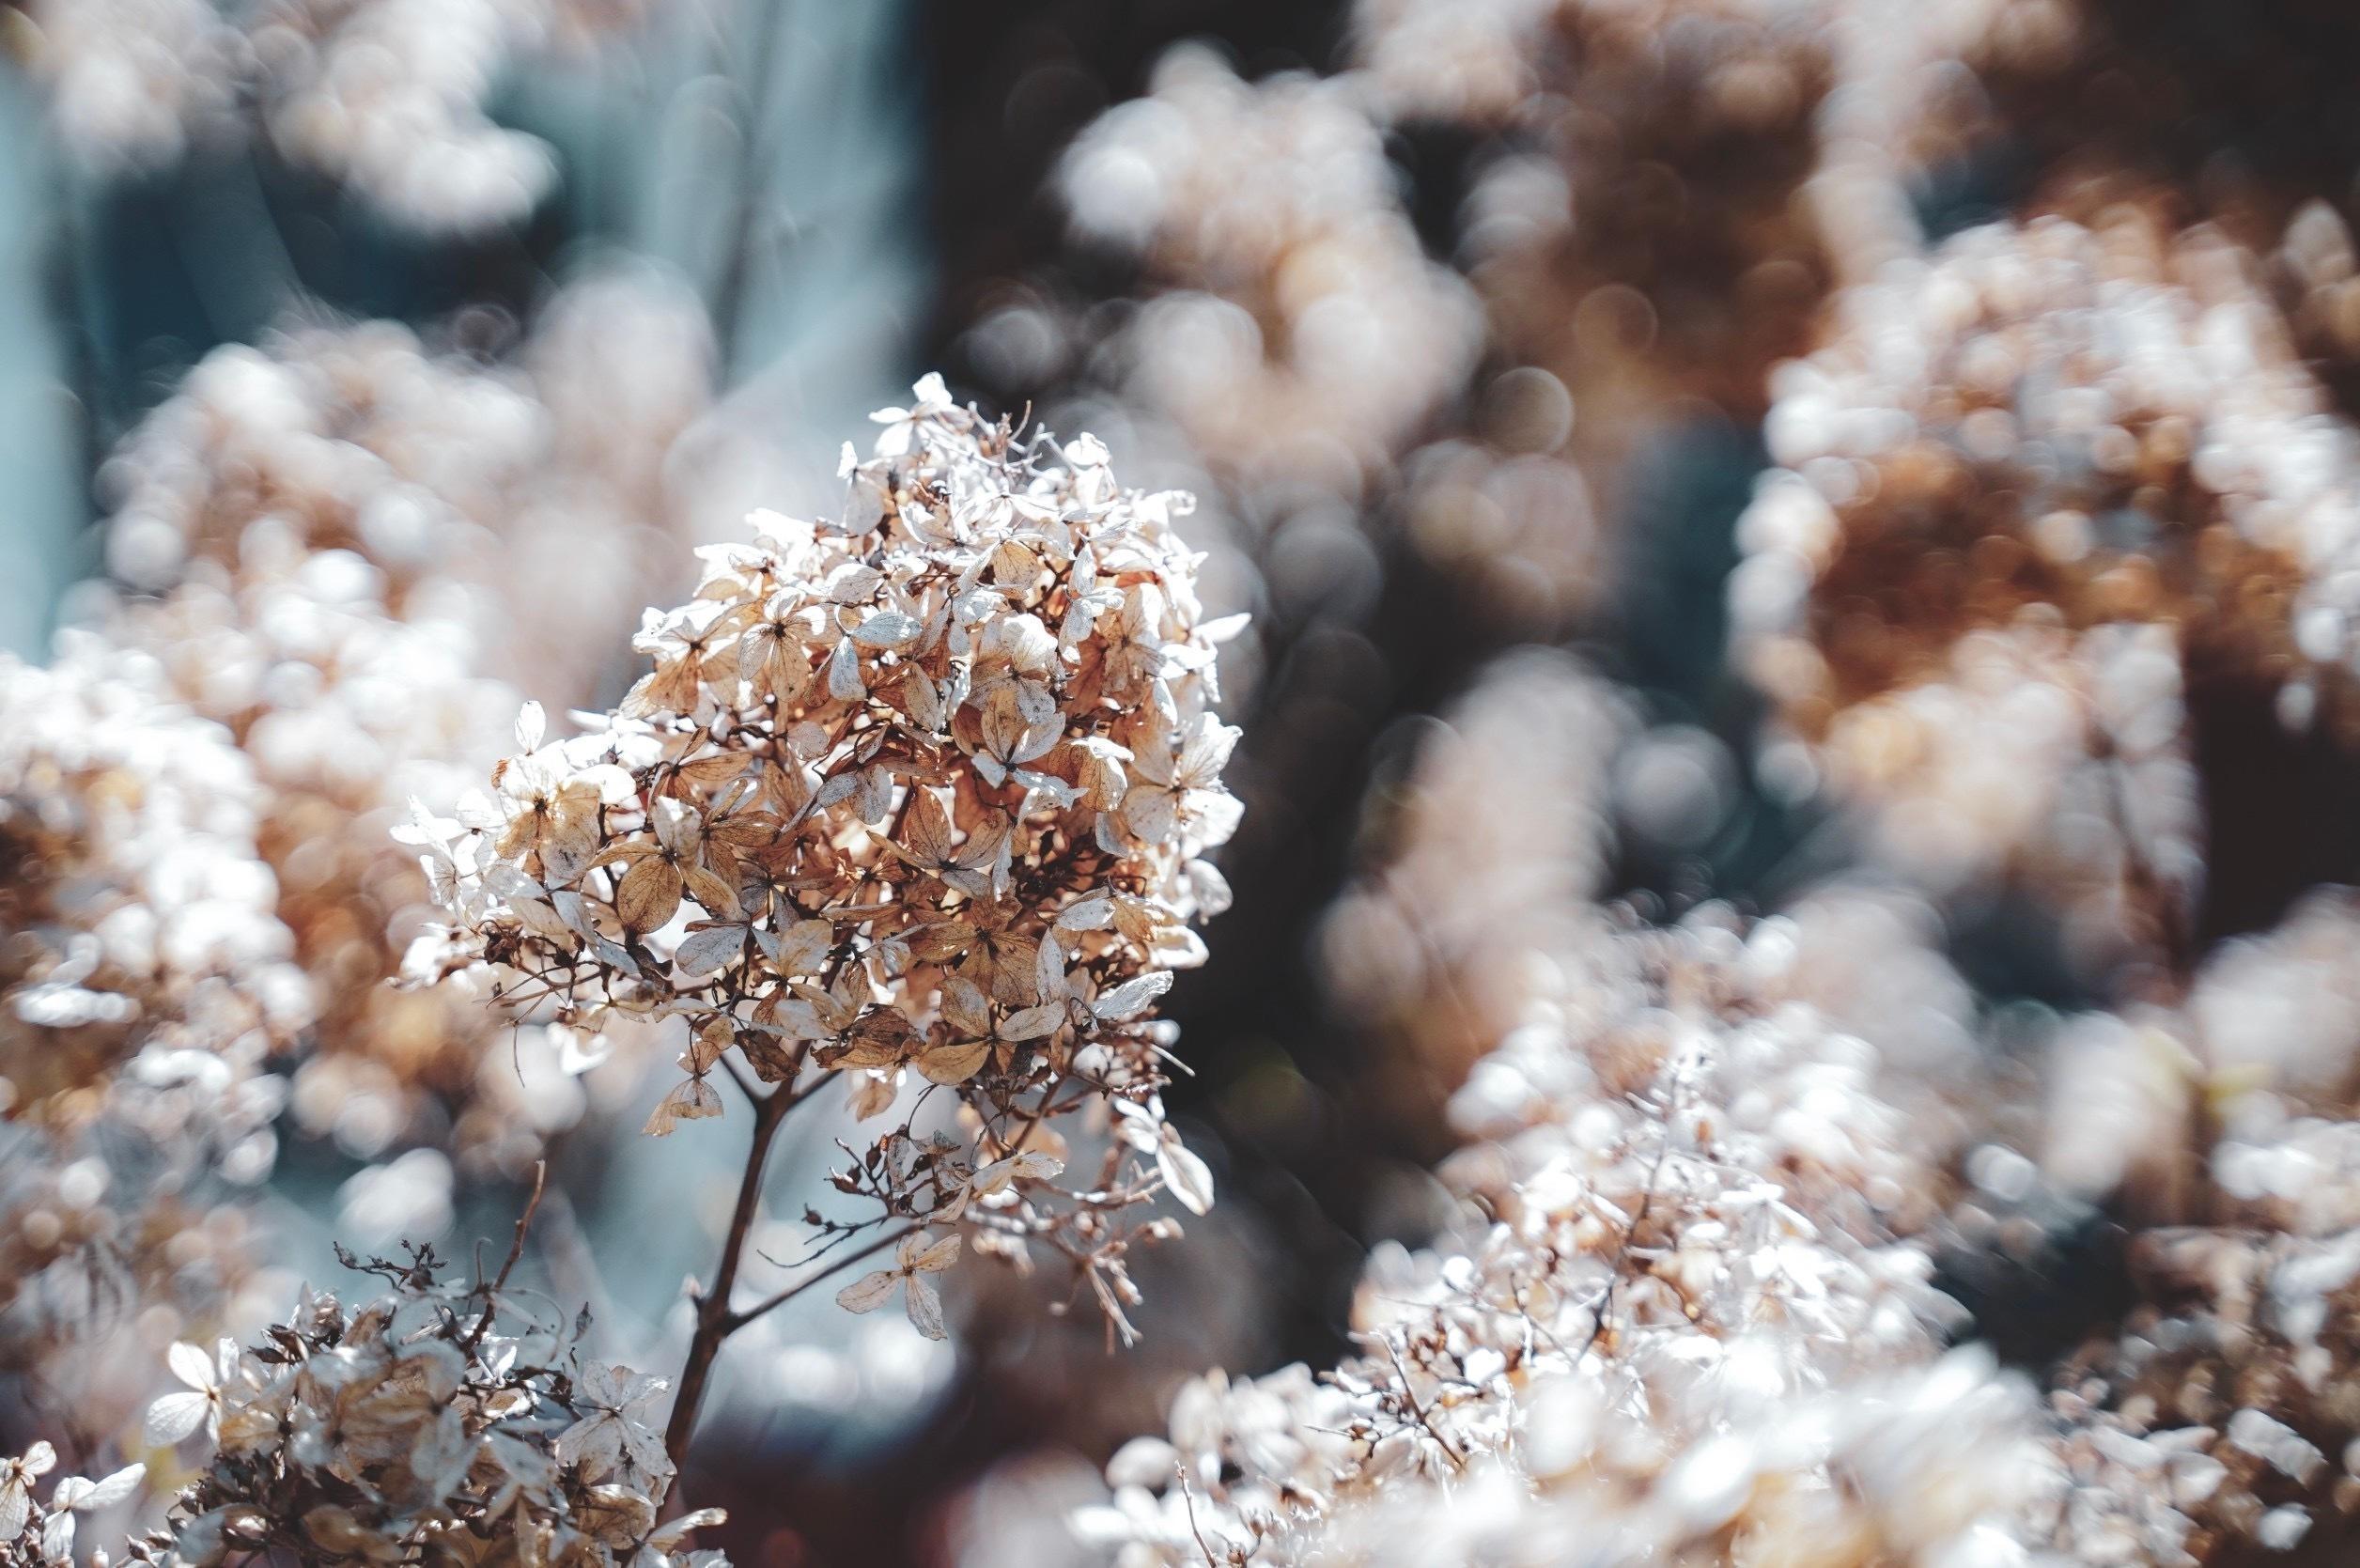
1467	322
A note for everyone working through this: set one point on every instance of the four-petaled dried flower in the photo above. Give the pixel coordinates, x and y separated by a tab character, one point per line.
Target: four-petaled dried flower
174	1416
16	1485
914	1259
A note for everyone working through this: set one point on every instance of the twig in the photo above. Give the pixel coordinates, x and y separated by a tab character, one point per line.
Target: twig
713	1323
1417	1408
736	1321
1187	1496
515	1250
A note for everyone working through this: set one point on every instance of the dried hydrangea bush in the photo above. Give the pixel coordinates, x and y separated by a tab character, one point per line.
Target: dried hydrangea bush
1619	1352
2050	497
911	799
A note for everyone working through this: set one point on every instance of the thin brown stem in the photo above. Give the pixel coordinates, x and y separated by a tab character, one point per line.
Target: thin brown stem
770	1303
713	1322
515	1250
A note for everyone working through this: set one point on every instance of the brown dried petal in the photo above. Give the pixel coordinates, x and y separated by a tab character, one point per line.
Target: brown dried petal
956	1062
648	895
884	1036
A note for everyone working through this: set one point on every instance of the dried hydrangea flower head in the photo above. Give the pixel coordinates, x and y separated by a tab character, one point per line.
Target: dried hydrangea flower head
386	97
1645	221
2049	486
2216	1417
147	980
346	714
324	521
1296	328
453	476
918	793
137	912
434	1424
1677	1326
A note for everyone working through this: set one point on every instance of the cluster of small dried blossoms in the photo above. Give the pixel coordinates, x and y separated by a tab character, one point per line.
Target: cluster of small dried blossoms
139	915
145	982
199	791
455	475
919	792
39	1533
1296	328
1299	340
2217	1414
432	1425
1642	218
2036	486
1679	1325
384	96
312	537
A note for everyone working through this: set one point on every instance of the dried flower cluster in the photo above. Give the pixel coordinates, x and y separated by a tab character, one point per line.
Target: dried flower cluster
139	917
2038	485
2217	1417
917	792
458	479
325	525
1678	1325
384	96
433	1425
1296	329
149	984
1642	219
